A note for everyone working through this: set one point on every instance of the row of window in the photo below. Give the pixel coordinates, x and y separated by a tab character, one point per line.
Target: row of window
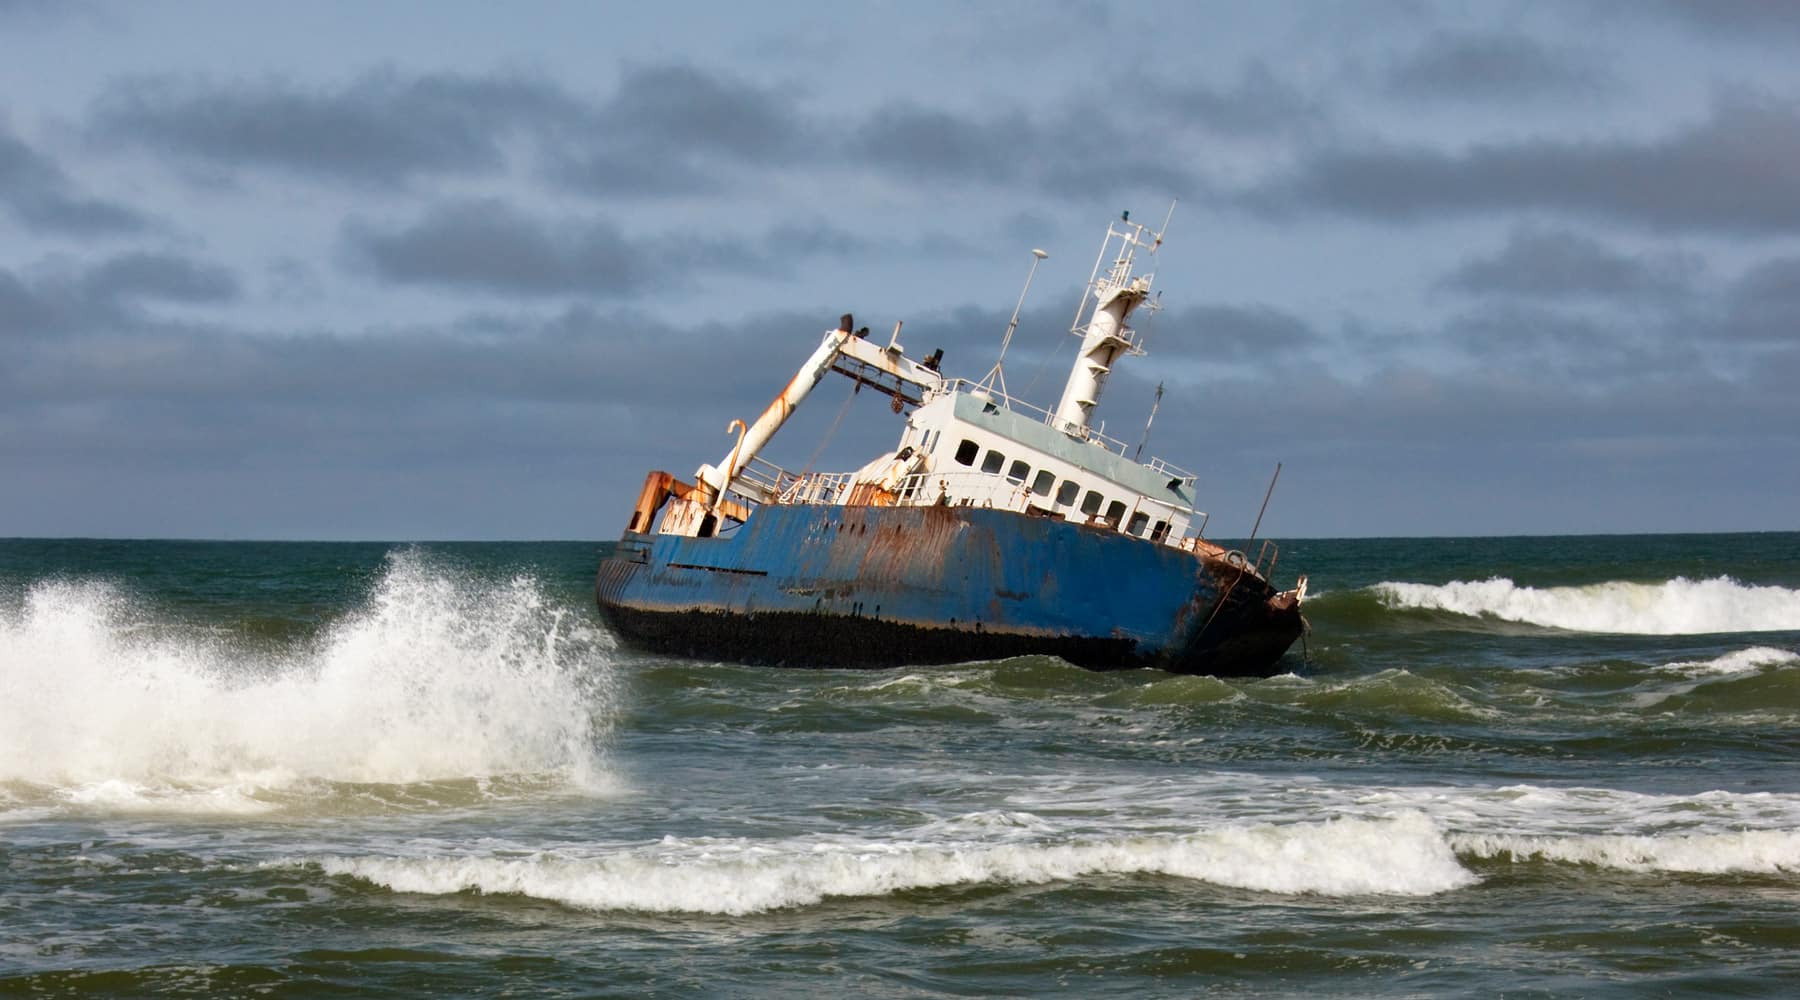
1020	470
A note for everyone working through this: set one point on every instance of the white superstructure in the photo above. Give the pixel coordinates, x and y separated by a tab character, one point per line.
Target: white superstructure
968	444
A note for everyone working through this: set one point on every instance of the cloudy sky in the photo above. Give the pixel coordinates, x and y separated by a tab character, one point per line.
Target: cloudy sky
469	270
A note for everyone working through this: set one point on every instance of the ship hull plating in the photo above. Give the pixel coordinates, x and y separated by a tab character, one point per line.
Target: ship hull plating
848	586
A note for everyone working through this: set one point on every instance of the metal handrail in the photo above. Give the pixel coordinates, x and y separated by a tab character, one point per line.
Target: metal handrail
1044	416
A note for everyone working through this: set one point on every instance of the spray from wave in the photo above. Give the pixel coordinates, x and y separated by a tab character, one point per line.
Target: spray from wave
1675	607
439	677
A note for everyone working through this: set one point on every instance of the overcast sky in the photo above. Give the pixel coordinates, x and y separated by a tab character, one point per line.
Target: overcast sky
434	271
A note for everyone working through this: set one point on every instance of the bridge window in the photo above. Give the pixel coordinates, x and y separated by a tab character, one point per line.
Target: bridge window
1115	513
1018	473
1159	531
965	452
1041	485
1065	494
1138	521
993	462
1090	504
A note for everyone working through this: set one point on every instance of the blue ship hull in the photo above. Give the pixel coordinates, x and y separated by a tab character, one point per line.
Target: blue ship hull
853	586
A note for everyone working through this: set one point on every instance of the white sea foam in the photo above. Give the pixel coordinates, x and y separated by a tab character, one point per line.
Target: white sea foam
437	677
1675	607
1742	661
1403	855
1748	851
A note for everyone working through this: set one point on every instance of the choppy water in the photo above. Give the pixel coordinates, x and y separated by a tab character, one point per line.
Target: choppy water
1532	766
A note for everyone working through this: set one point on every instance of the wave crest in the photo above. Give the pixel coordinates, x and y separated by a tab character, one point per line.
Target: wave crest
1403	855
1675	607
437	677
1747	851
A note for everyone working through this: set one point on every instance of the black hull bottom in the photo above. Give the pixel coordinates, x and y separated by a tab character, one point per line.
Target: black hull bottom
816	640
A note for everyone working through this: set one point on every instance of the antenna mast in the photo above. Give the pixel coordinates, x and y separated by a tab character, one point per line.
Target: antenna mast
1113	291
995	375
1146	438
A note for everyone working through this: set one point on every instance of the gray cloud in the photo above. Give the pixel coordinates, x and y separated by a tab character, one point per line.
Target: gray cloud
1729	174
667	130
1554	263
1764	304
383	128
672	130
928	142
1258	103
487	245
1074	152
492	247
106	295
685	108
1759	20
1229	332
539	400
1577	351
40	195
168	277
1492	66
33	13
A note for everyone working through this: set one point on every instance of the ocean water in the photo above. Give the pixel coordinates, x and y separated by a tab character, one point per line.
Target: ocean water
1545	766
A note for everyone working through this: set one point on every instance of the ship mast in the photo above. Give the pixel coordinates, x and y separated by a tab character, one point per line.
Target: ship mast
1112	293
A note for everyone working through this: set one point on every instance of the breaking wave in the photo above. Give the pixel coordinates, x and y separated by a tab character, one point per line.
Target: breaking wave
1770	852
437	678
1675	607
1405	855
1740	662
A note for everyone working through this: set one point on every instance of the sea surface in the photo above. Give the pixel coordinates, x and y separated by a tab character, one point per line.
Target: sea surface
1517	766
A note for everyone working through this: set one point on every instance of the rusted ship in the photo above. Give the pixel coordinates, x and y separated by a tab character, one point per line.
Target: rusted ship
992	529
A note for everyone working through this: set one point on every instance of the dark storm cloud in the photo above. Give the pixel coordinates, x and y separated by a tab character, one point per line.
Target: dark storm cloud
1258	103
1488	66
383	128
1554	263
1072	153
30	13
1764	304
691	110
671	130
487	245
106	294
519	395
40	195
491	247
1761	20
1730	173
927	142
1483	451
22	310
167	277
1228	332
1578	351
666	130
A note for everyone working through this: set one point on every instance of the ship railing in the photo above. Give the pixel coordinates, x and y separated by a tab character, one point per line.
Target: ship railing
815	488
1262	566
1163	468
1271	552
760	480
1044	416
976	489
